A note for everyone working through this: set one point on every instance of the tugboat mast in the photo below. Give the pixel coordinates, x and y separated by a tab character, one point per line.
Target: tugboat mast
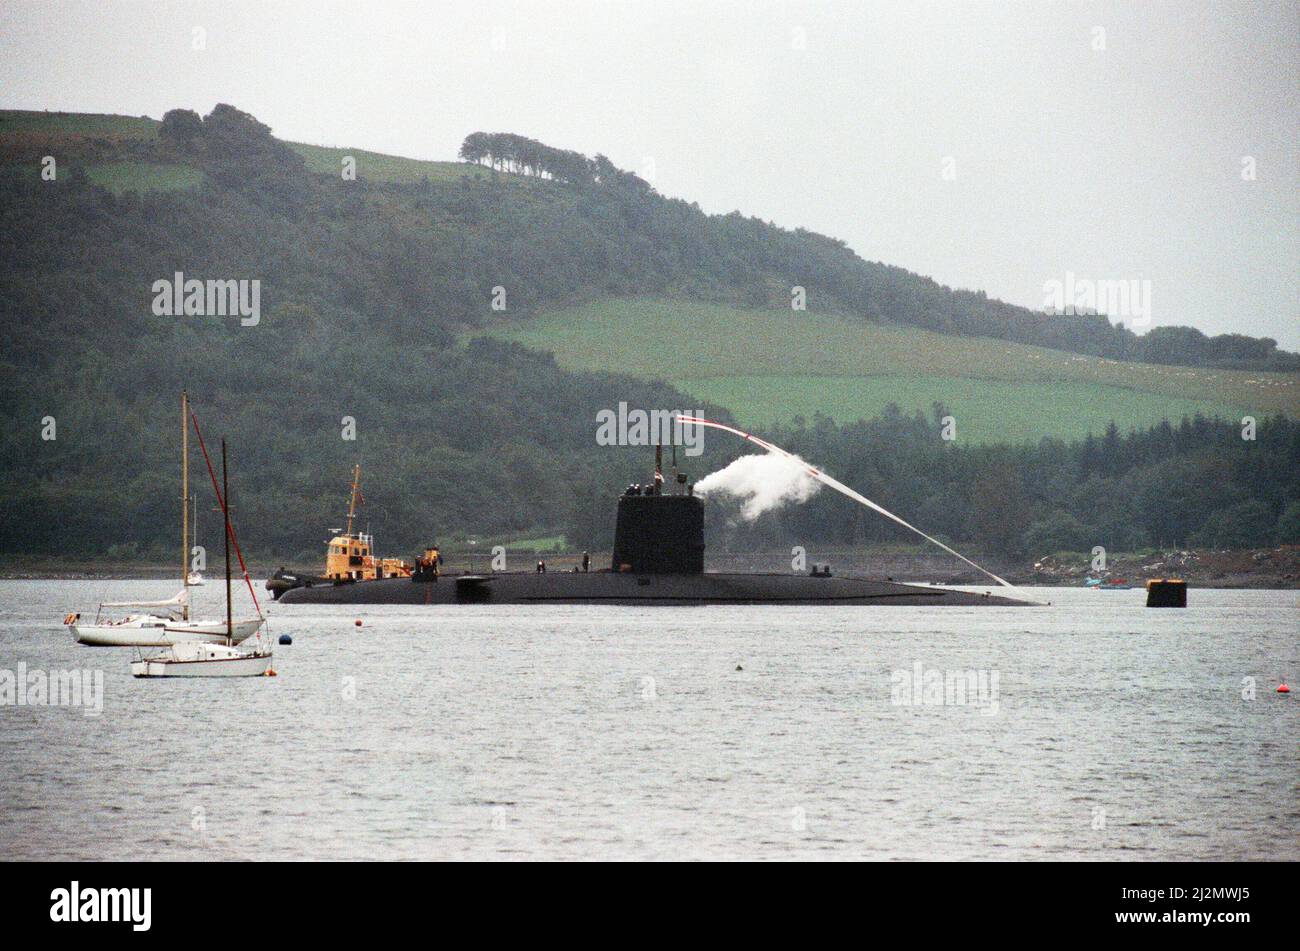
352	502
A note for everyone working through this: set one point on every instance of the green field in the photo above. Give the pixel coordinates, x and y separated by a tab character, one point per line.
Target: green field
771	366
543	544
985	410
78	123
373	166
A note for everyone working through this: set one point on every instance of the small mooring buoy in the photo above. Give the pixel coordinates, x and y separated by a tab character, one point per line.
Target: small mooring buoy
1166	593
738	667
358	622
1283	688
286	639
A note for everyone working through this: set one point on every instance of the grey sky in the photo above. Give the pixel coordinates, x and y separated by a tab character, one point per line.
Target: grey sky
1122	163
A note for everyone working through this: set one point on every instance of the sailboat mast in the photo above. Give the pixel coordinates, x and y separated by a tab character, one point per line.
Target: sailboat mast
225	512
352	502
185	501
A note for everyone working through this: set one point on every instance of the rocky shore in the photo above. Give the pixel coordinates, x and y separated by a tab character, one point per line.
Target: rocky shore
1249	568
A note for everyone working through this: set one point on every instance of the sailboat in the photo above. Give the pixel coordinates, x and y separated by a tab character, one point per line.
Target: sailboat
191	659
161	623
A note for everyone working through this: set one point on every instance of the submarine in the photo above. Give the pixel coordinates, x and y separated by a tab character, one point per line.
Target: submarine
658	559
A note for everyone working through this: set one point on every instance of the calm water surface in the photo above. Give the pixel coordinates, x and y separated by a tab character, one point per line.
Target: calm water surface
603	732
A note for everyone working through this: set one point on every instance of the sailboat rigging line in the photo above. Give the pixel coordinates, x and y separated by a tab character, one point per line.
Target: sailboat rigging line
230	526
843	489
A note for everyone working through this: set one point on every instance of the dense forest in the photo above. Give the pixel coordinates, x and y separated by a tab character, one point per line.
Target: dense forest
370	294
1198	483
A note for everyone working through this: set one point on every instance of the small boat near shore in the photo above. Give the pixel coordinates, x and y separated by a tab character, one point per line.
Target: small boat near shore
1108	584
148	630
350	557
193	659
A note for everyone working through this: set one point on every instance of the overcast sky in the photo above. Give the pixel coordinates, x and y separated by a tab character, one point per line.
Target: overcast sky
1116	163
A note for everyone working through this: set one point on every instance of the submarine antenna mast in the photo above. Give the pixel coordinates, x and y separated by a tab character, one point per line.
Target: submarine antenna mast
352	502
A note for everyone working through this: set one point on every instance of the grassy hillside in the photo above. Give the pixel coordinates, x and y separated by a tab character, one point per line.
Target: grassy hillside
55	129
986	411
670	245
83	124
365	286
771	366
373	166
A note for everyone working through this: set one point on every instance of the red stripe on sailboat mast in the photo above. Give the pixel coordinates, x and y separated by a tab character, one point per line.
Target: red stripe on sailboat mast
216	488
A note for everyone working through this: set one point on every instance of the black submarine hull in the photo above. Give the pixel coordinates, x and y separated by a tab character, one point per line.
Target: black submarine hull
626	588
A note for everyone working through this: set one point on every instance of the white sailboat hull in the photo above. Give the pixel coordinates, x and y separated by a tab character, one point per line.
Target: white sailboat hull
166	623
202	660
171	632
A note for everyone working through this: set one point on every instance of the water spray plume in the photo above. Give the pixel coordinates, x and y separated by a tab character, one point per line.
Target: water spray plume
763	482
824	479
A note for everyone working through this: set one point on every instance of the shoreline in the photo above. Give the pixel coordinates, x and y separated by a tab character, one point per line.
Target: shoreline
1265	569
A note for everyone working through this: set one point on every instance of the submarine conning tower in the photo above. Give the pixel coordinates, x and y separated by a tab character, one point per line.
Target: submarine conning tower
659	534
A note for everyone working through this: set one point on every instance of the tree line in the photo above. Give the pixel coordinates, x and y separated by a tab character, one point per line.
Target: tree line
1196	483
505	151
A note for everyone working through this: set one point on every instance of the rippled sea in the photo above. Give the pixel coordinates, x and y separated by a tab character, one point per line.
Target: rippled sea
1106	731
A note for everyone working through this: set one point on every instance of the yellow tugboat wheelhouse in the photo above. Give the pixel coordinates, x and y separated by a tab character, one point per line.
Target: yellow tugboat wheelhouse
351	556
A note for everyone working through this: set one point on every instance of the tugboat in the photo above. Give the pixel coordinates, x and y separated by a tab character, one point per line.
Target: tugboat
349	558
658	558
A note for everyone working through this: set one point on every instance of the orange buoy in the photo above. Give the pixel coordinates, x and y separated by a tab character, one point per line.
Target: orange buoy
1283	688
270	672
358	622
